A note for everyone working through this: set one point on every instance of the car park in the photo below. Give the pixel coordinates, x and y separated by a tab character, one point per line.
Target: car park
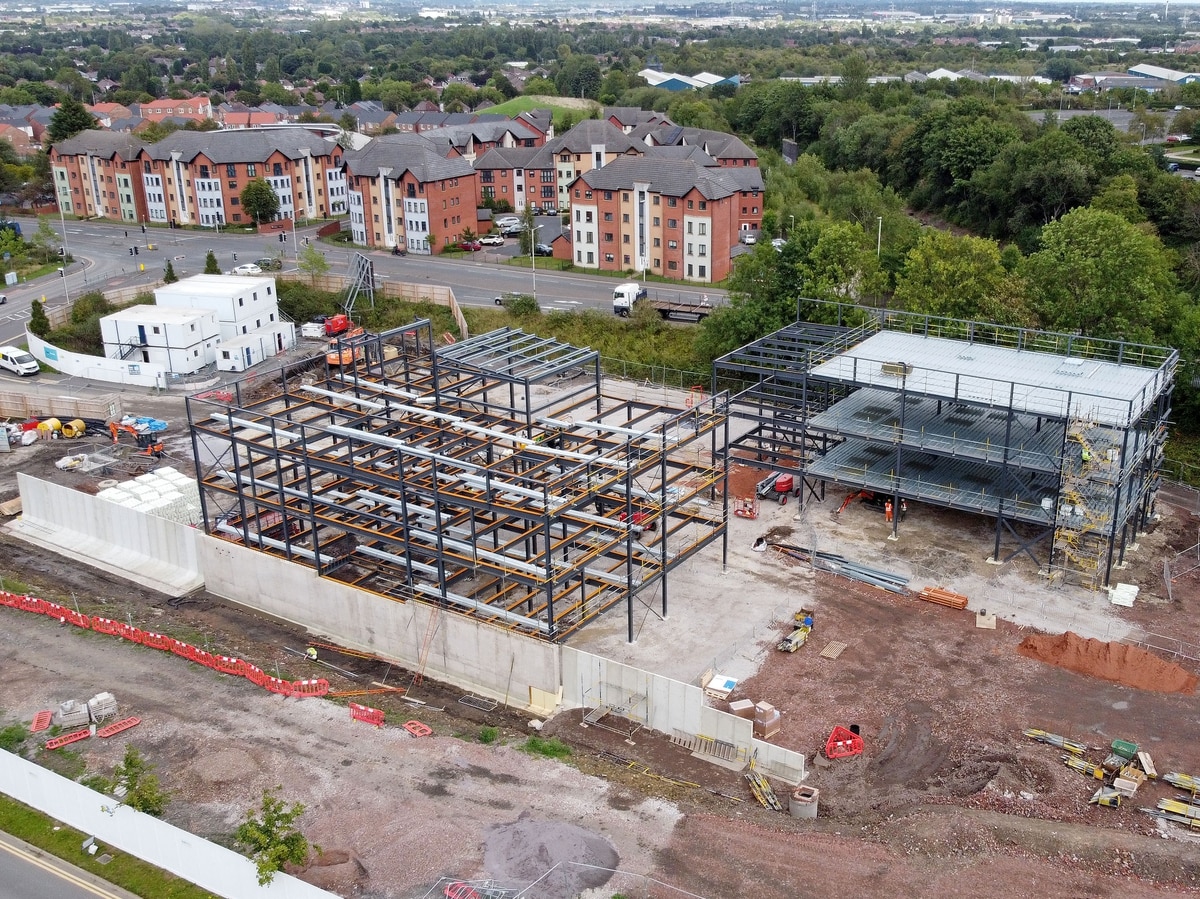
492	240
248	268
470	245
269	263
543	249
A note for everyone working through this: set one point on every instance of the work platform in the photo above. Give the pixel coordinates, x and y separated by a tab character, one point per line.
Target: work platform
1057	432
491	477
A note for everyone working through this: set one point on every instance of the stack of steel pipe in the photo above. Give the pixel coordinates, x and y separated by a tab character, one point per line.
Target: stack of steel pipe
840	565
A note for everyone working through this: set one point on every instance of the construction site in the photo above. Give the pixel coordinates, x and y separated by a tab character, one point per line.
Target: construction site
1058	438
491	477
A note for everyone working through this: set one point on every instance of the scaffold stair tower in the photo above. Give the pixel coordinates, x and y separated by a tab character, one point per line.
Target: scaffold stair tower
1083	519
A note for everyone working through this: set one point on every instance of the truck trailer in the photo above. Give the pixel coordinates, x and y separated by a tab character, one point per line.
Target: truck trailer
626	296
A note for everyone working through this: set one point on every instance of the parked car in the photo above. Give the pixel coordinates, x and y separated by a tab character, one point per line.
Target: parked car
269	263
749	238
779	243
505	221
513	229
535	209
543	249
550	210
492	240
247	268
470	245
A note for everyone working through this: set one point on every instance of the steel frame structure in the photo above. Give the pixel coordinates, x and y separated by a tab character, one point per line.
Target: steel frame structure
964	415
491	477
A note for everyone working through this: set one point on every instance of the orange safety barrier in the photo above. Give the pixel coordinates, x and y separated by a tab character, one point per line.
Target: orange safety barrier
318	687
30	604
60	742
181	649
129	632
52	609
843	743
9	599
276	685
367	714
79	619
202	657
41	721
155	641
417	729
254	674
103	625
228	665
117	726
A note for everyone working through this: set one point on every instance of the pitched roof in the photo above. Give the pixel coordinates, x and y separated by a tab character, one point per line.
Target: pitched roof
398	153
592	132
240	145
508	158
101	144
669	177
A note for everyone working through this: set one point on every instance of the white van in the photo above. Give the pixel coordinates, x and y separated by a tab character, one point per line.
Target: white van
18	361
625	295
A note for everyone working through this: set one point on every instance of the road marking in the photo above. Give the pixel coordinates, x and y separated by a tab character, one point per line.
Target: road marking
58	872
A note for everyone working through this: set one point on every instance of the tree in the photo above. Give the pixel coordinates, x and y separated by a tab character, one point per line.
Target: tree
271	839
959	277
1102	276
45	240
312	262
169	276
142	788
528	236
39	324
260	201
210	264
71	118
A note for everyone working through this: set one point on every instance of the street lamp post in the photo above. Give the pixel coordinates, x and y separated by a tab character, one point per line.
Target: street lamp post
879	238
63	221
791	225
1143	134
533	256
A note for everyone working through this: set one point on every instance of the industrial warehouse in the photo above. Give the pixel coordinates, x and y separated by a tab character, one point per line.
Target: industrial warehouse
1057	437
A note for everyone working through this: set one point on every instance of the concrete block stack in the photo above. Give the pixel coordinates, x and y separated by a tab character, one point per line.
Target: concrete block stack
165	493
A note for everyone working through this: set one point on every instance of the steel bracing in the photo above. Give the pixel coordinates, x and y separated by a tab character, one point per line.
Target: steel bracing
491	477
1058	437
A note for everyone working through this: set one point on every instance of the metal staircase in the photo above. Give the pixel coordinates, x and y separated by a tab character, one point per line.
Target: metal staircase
1083	521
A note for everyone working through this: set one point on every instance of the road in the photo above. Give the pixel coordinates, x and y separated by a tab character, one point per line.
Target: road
27	873
102	260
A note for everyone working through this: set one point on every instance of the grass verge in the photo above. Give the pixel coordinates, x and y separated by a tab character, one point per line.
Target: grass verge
554	748
125	871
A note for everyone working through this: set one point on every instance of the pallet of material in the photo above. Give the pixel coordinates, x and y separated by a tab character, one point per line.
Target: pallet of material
943	597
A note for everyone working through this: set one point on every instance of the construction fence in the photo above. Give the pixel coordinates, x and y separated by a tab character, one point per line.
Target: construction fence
403	291
40	404
115	826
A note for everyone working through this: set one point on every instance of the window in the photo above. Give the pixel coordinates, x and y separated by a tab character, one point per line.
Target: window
277	169
251	170
671	201
656	199
241	301
658	241
702	228
625	196
591	258
608	257
672	223
673	266
691	205
625	218
689	228
235	201
624	238
608	237
703	204
156	330
672	245
230	171
608	216
608	195
657	221
703	250
703	270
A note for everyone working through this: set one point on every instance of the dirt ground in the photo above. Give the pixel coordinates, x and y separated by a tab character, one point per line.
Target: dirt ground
948	794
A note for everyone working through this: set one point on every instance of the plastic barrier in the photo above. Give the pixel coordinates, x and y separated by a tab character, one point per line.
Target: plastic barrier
129	632
41	721
254	674
117	726
155	641
9	599
202	657
31	604
318	687
60	742
79	619
367	714
181	649
417	729
276	685
843	743
228	665
104	625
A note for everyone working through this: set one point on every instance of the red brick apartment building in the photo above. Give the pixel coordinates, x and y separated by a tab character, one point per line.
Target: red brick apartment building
671	217
405	192
196	178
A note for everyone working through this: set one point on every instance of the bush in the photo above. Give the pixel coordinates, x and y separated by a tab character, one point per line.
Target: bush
554	748
12	737
523	304
488	734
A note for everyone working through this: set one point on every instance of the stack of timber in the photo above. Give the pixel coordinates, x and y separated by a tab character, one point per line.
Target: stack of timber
943	597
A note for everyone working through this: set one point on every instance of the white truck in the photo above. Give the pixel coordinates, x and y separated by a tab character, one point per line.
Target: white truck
692	308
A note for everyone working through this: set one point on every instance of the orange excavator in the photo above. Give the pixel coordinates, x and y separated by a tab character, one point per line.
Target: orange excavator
351	347
876	501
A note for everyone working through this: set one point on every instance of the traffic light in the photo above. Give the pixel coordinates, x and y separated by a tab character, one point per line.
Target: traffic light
235	257
135	251
281	237
131	251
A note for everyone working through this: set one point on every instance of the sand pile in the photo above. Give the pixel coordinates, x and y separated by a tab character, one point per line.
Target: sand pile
1116	662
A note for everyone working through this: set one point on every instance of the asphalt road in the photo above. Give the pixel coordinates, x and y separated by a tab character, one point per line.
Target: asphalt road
26	873
102	260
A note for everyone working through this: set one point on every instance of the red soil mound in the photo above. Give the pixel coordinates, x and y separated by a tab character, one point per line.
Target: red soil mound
1116	662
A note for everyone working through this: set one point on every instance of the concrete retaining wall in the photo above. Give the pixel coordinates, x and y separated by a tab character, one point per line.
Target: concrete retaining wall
205	864
669	706
474	656
143	548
